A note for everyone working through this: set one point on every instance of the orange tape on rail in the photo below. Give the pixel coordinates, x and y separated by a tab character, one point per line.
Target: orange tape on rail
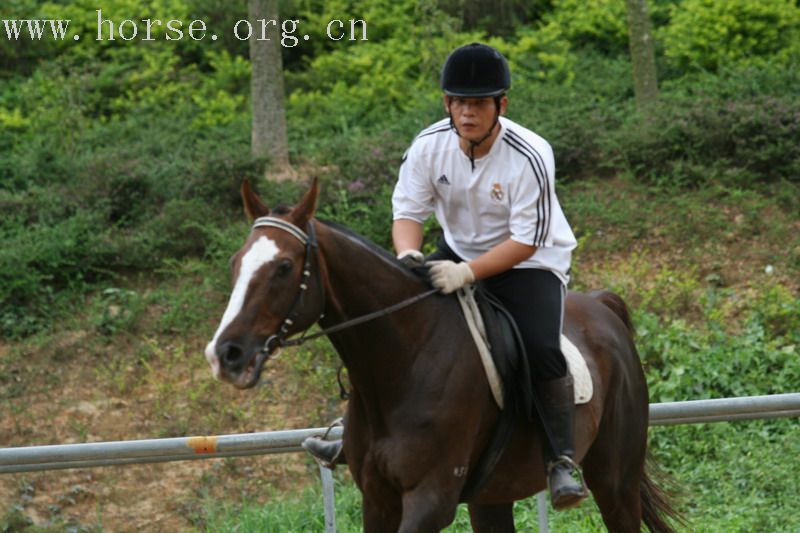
202	445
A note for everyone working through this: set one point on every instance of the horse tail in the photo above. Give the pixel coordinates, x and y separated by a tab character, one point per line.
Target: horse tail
656	504
616	304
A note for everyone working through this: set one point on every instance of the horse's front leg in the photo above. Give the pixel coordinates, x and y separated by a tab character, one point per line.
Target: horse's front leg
377	517
381	506
428	508
496	518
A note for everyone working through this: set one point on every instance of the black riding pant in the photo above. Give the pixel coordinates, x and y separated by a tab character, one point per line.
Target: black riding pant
535	298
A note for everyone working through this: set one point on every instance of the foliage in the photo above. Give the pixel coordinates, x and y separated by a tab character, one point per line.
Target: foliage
708	34
149	140
375	81
684	363
600	25
739	128
37	260
80	216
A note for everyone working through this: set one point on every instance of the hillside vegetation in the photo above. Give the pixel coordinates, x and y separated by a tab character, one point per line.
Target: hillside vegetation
120	164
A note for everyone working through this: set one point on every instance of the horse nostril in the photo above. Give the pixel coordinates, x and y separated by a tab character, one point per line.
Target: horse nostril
231	355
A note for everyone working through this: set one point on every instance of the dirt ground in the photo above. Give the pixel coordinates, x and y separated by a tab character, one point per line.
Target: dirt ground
50	402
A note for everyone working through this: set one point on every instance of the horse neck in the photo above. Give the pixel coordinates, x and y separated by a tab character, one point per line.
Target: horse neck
358	281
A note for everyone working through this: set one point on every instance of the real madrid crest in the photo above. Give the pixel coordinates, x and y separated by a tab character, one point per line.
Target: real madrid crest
497	192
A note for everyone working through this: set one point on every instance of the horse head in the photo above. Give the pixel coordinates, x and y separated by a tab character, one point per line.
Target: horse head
277	288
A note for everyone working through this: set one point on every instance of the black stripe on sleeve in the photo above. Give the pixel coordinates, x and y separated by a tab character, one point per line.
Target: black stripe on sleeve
547	189
543	204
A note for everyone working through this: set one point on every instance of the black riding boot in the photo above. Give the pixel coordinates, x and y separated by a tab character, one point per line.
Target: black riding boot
328	453
558	406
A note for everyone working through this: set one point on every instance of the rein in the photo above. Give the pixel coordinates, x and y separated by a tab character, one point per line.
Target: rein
309	240
362	319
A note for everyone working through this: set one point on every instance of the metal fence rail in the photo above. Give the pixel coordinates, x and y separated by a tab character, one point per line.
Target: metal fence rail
725	409
61	456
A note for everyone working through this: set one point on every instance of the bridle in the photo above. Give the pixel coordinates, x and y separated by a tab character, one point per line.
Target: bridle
309	240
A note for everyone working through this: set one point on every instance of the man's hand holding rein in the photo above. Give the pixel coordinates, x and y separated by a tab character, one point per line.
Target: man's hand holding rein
448	276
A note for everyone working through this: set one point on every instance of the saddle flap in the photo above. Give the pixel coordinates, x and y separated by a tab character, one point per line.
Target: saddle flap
508	352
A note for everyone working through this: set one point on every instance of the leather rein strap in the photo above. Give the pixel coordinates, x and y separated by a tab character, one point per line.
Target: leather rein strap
309	240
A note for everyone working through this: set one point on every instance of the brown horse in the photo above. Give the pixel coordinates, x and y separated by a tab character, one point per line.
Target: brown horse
421	411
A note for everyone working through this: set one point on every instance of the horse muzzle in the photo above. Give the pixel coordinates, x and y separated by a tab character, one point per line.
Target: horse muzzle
237	364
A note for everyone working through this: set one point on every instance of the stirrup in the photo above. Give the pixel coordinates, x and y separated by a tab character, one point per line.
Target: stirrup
324	438
564	460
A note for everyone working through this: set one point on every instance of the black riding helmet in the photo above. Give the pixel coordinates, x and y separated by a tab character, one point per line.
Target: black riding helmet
475	70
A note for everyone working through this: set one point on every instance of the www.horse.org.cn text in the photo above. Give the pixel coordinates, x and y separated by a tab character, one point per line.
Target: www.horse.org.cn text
287	31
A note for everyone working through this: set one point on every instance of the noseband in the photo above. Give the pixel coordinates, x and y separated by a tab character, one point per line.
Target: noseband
309	240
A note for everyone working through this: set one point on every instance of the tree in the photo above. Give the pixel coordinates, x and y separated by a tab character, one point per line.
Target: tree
269	139
645	79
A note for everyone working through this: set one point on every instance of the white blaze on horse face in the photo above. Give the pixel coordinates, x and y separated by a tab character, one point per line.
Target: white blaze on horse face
260	253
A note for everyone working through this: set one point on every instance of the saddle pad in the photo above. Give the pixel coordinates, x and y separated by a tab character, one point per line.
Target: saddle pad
575	361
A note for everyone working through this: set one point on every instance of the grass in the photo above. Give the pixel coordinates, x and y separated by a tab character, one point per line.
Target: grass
735	475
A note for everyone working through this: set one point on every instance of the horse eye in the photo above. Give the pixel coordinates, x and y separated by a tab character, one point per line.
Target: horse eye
284	269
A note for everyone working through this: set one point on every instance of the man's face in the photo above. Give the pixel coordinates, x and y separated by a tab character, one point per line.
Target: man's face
473	116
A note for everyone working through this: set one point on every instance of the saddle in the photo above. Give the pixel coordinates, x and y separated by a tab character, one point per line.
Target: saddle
503	353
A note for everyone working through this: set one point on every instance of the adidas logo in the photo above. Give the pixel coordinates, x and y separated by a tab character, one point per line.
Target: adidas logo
443	180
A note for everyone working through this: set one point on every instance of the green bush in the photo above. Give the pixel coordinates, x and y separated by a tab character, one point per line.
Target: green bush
576	118
37	261
599	25
707	34
127	194
353	86
723	129
684	362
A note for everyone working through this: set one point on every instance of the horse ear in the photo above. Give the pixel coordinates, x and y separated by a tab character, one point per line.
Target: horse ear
304	210
253	206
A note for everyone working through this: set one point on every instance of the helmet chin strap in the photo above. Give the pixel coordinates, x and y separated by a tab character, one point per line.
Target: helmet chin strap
474	144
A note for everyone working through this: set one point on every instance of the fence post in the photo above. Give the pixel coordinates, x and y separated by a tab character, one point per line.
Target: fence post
328	498
541	508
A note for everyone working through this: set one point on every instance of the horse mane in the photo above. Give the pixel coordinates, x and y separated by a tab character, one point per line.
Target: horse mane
371	246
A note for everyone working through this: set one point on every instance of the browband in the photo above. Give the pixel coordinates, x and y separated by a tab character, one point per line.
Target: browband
282	224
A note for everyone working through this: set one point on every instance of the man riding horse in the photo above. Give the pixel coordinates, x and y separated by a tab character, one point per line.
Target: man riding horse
490	184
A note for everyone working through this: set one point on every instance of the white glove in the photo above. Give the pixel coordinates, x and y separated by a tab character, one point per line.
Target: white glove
416	255
448	276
